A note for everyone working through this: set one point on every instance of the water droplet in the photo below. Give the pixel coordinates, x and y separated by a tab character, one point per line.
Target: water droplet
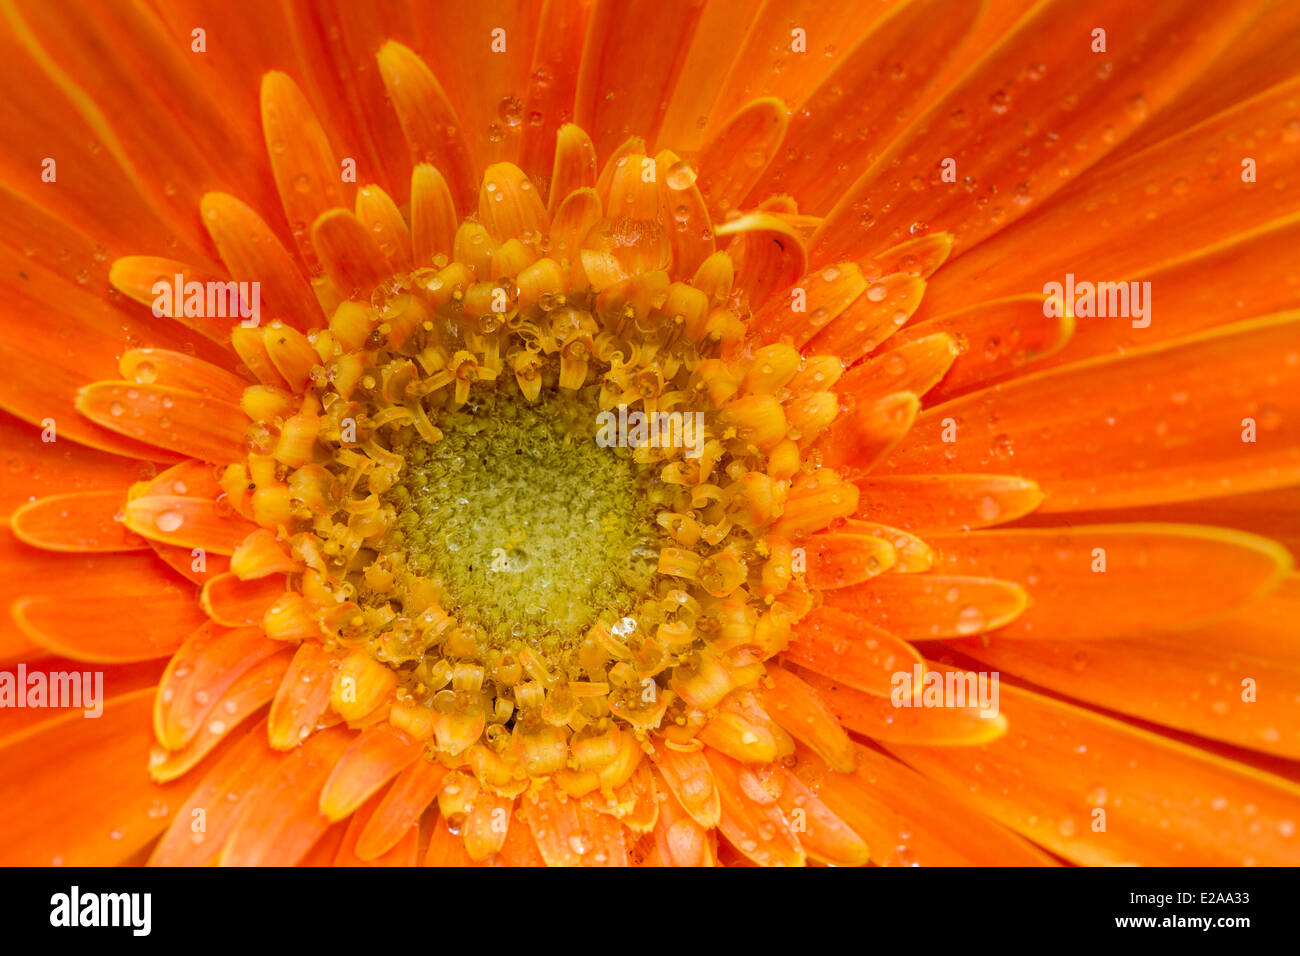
680	176
169	521
511	111
970	620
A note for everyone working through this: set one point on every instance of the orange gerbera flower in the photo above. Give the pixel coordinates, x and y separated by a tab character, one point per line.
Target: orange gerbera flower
569	432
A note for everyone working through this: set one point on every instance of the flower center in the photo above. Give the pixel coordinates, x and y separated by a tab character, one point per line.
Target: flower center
527	523
541	499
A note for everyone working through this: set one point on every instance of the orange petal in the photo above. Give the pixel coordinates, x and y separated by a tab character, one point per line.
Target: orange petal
348	253
992	122
280	819
428	119
520	849
235	603
446	849
553	81
1000	339
909	821
856	108
487	824
377	212
575	164
612	101
1174	424
1160	802
874	316
569	833
83	521
691	235
250	346
751	819
837	560
804	716
207	816
108	626
814	504
689	779
808	306
822	834
913	554
119	680
47	774
850	650
136	276
1146	576
375	757
510	206
921	256
865	434
768	254
433	215
878	718
405	852
302	702
1235	279
400	807
193	564
33	468
1183	194
679	838
31	572
325	851
178	370
252	253
182	421
764	66
925	503
200	672
187	522
917	366
736	156
307	176
920	607
249	693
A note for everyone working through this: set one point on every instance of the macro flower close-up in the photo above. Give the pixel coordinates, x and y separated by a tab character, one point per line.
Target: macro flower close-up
650	432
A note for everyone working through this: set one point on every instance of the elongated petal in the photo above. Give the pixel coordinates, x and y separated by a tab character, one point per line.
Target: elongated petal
921	607
203	668
851	650
302	701
1097	791
1146	576
930	503
378	754
908	820
280	819
752	820
170	418
949	725
84	521
1208	415
400	808
49	772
